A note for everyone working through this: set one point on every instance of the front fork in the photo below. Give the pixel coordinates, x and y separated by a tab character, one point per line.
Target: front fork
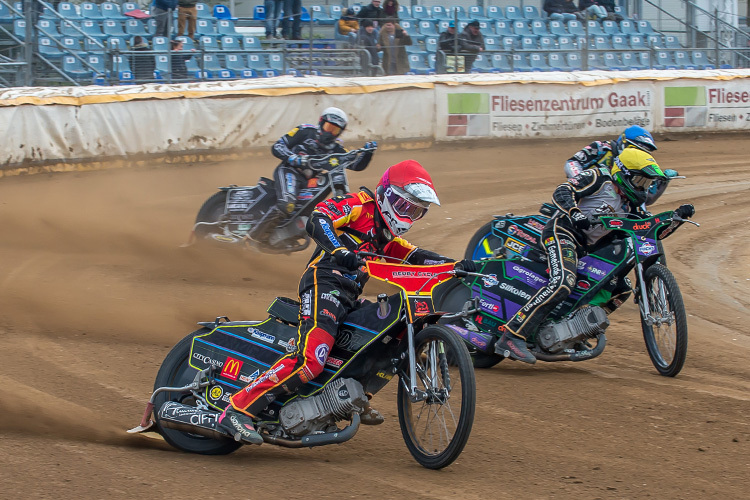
436	357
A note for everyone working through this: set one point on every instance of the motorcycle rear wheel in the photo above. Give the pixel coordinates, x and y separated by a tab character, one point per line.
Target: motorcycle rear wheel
211	211
666	341
483	243
436	428
176	371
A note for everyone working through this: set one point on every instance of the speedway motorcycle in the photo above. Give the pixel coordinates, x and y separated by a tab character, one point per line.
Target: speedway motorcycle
396	336
514	268
229	216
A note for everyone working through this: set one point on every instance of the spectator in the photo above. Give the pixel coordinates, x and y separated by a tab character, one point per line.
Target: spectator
162	12
390	7
609	5
143	65
372	11
273	10
449	42
367	38
392	40
591	9
186	13
348	24
179	58
472	36
290	27
562	10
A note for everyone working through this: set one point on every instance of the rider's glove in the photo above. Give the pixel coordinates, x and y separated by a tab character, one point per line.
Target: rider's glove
346	259
685	211
297	160
580	221
466	265
371	145
671	173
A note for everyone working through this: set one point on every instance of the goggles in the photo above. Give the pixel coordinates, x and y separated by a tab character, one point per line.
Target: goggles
405	208
641	182
331	128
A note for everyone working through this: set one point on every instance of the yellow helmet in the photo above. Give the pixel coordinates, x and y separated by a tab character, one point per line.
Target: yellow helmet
634	171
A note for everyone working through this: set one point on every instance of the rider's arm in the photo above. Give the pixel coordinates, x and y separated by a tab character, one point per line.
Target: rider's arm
282	149
330	215
587	157
568	193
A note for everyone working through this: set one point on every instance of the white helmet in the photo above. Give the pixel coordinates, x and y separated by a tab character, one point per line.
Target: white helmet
404	194
332	123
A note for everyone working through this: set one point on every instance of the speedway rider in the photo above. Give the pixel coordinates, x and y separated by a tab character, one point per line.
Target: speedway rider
334	278
293	148
618	191
603	153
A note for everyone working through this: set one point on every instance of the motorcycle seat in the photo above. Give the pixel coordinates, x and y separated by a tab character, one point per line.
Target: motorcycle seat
285	309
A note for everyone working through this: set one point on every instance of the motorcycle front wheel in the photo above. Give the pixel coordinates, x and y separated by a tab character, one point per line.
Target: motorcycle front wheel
483	244
176	371
437	420
665	331
211	211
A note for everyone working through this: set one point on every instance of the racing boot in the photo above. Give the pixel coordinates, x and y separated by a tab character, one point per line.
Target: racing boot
371	416
273	218
515	347
239	426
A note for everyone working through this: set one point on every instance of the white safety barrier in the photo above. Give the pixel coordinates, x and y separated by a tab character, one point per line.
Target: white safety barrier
79	124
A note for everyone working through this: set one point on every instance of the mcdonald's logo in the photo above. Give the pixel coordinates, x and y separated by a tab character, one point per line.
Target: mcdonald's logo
231	369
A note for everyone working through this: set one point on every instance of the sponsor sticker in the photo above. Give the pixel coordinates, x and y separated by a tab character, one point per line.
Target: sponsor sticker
265	337
321	354
490	280
216	392
231	368
647	248
514	245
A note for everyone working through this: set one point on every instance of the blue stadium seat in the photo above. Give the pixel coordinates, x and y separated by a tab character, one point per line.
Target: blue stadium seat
251	43
321	16
547	43
632	61
432	61
49	48
644	27
477	12
411	28
209	43
92	29
415	49
231	43
223	12
538	62
521	62
601	42
529	43
595	29
442	25
482	64
212	65
576	28
627	27
72	43
257	61
574	61
194	70
531	12
110	10
226	27
460	12
655	41
683	61
513	12
98	66
236	63
428	28
521	28
637	42
539	27
135	27
508	43
90	10
117	43
612	62
610	28
7	16
491	42
418	65
700	59
259	13
160	44
619	42
121	68
110	27
595	62
556	27
128	6
73	67
203	11
66	10
557	62
205	27
187	43
504	28
431	44
645	59
336	11
94	45
664	60
566	42
671	42
439	12
495	12
501	62
404	12
420	12
48	28
162	68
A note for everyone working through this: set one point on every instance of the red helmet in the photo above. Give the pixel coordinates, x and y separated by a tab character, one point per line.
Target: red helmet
404	194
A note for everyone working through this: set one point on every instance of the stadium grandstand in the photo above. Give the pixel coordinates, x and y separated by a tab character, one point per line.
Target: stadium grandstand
52	43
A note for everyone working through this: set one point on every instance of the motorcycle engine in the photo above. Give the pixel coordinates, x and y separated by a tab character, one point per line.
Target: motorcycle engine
586	322
337	401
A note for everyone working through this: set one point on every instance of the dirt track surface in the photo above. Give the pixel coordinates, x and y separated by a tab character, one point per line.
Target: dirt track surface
95	291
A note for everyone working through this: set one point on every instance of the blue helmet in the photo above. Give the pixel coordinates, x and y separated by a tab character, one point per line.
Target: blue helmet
638	137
